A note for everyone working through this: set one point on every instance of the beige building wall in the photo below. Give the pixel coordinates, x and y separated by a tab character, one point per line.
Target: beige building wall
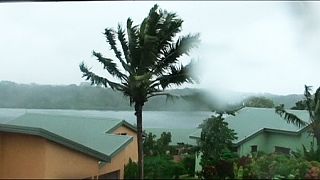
21	156
117	163
62	162
28	156
132	149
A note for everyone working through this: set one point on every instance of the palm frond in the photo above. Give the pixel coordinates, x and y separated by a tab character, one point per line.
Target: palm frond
169	96
110	35
171	55
148	37
309	101
177	76
289	117
168	30
110	66
95	79
152	21
134	47
124	43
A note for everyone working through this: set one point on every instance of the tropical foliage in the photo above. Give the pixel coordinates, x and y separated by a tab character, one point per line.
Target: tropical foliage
276	166
149	59
162	167
152	147
215	142
131	170
312	103
300	105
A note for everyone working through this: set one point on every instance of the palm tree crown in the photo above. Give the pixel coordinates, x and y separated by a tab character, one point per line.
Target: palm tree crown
149	56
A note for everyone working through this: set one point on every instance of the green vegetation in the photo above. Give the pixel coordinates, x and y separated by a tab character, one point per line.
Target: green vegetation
276	166
300	105
261	102
149	62
33	96
160	146
84	96
159	160
215	144
162	167
131	170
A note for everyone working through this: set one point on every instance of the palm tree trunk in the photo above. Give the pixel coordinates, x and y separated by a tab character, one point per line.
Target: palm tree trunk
317	136
138	113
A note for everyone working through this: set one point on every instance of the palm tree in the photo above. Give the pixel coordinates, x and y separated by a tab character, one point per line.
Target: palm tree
313	106
149	59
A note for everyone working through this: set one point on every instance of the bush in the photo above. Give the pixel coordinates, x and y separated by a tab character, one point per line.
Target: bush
189	164
162	167
276	166
215	144
131	170
313	154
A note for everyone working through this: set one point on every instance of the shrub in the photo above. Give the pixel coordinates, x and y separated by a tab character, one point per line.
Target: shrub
277	166
189	164
131	170
215	142
162	167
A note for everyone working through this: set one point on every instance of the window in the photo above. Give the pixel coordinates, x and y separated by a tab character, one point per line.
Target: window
283	150
254	148
122	134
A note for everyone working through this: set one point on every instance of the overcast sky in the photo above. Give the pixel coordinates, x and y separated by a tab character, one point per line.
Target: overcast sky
245	46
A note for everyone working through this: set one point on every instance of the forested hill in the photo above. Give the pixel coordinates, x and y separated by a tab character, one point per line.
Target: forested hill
33	96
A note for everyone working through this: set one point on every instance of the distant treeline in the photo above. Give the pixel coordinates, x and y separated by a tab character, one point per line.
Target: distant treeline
33	96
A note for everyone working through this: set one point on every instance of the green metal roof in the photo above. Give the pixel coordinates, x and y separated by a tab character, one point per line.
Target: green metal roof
82	131
250	121
177	135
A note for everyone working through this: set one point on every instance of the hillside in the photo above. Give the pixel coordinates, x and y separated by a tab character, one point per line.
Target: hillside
33	96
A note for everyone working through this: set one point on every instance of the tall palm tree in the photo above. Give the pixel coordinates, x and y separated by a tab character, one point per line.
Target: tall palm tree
149	59
313	106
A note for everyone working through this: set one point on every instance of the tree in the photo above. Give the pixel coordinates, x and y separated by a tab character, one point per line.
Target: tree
259	102
149	144
156	147
300	105
163	142
149	61
216	139
313	107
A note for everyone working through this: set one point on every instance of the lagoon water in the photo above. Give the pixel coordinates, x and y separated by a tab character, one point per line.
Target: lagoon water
151	119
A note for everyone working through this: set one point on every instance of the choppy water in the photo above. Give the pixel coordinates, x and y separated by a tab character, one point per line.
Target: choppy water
151	119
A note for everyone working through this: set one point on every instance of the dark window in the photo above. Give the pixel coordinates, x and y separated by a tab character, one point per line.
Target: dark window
254	148
121	133
283	150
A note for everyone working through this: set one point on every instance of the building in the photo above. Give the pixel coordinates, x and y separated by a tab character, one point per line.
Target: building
64	146
261	129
